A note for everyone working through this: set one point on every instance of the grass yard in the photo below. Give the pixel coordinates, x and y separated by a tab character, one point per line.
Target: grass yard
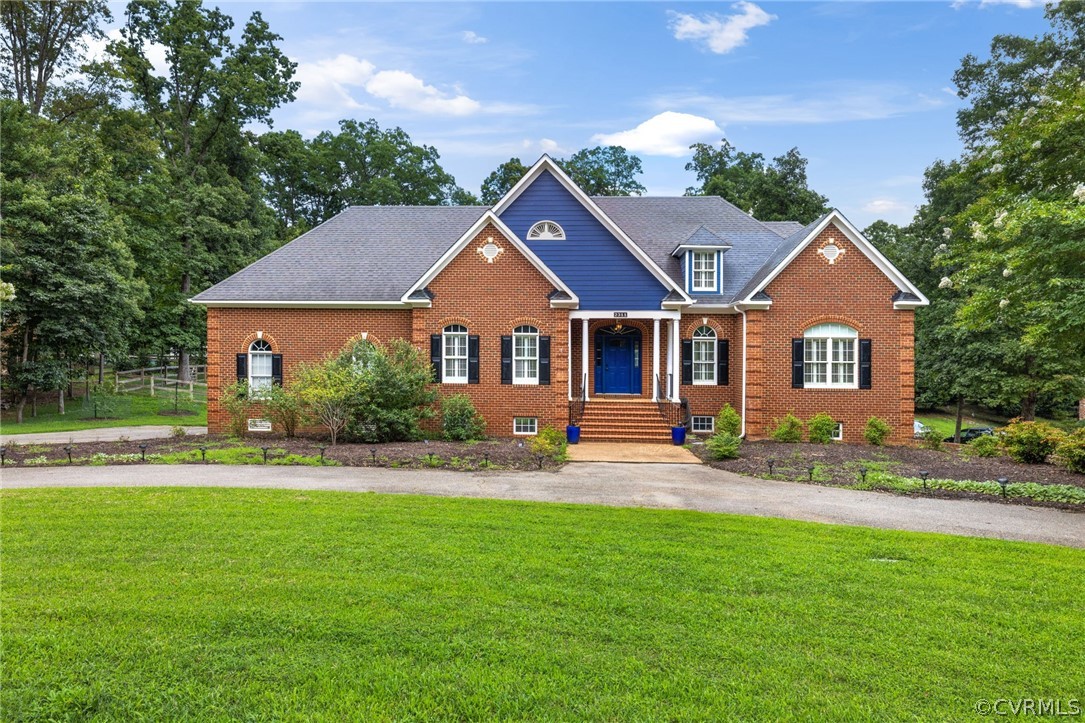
122	604
132	410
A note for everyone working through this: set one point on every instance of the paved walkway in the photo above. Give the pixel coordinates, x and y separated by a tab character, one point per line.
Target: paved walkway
105	434
622	485
626	452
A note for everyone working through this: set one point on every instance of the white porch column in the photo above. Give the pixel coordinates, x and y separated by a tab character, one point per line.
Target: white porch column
584	354
655	360
675	364
569	363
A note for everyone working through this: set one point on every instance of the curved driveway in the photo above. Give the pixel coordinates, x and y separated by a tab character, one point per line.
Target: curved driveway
621	485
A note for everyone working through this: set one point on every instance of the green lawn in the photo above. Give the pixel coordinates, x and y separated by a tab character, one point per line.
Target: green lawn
132	410
151	604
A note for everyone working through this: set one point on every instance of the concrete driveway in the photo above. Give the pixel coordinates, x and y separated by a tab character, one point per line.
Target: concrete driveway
104	434
620	485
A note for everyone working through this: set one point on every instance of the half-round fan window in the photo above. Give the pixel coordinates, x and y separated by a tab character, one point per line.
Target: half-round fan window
546	231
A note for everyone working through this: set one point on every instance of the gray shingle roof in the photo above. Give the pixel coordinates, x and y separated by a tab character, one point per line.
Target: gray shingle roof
783	228
366	253
774	259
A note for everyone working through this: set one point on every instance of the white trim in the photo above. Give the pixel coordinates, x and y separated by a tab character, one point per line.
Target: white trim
742	432
545	163
583	355
711	424
525	380
609	314
715	285
838	432
308	304
569	363
700	309
856	237
445	357
700	247
461	243
656	380
563	237
674	365
525	434
713	344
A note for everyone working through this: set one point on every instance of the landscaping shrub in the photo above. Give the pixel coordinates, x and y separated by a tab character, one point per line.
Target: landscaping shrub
723	445
283	407
550	443
985	446
1070	453
236	406
328	391
177	431
931	439
728	421
788	429
876	431
460	421
821	427
1030	442
396	391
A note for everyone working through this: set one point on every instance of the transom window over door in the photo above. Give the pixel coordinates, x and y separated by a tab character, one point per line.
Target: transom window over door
260	371
525	355
455	354
829	356
704	355
704	270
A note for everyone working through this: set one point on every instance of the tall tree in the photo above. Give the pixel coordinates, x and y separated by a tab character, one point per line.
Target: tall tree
776	191
41	39
501	180
605	171
215	221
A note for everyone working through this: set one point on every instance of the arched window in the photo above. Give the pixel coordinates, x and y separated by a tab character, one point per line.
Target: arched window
525	355
546	231
260	376
829	356
455	354
704	355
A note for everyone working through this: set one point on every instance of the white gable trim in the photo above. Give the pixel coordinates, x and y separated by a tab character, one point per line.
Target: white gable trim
860	242
454	251
546	163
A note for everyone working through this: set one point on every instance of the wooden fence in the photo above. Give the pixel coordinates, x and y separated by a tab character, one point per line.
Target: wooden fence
161	379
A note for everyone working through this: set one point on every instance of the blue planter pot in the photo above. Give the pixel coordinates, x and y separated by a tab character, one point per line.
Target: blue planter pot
572	433
678	435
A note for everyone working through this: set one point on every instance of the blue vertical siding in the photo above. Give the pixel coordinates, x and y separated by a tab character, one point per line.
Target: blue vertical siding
591	261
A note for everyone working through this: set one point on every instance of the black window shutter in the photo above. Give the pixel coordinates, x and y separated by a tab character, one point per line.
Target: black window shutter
723	362
506	360
798	347
864	364
435	355
277	369
242	367
472	359
687	361
544	360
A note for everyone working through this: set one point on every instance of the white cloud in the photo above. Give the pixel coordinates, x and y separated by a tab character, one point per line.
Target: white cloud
1023	4
720	34
403	90
327	82
472	38
666	134
544	145
885	205
155	53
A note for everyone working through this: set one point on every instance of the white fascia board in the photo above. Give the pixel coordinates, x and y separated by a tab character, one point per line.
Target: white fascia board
461	243
909	304
627	314
859	241
682	248
248	304
710	309
546	163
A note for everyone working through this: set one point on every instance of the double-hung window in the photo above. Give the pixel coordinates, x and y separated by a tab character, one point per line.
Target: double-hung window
829	356
260	368
704	355
703	270
454	340
525	355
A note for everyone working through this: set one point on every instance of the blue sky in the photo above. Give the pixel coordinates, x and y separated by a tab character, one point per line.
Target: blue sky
863	89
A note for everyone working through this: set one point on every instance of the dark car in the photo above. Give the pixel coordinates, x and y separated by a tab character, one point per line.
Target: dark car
970	433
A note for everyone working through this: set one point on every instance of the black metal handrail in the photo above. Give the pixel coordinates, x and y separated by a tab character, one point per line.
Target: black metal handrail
577	403
675	414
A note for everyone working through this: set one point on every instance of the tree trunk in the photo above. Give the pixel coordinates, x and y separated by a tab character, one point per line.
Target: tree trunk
60	400
101	368
1028	407
34	405
960	414
19	409
184	362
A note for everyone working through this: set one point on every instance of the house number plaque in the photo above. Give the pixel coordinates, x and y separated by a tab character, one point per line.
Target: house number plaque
621	314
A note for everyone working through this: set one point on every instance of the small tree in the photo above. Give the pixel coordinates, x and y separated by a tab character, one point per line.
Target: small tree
729	421
329	392
723	445
396	393
234	400
788	429
284	407
877	431
460	421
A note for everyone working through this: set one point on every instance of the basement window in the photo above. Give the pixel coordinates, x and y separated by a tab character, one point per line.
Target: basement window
525	425
704	425
838	432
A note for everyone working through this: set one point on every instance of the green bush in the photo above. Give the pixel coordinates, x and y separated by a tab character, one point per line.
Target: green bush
550	443
985	446
821	427
931	439
728	421
284	408
1030	442
723	445
234	401
788	429
460	421
1070	453
876	431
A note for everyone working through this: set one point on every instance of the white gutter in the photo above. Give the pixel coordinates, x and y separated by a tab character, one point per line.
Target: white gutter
742	432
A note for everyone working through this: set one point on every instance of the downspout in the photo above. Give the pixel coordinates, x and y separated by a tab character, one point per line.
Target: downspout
742	432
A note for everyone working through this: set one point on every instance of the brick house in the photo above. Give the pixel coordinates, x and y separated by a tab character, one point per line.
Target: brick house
622	314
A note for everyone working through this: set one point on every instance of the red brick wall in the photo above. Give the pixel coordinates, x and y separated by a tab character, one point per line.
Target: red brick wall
811	291
708	400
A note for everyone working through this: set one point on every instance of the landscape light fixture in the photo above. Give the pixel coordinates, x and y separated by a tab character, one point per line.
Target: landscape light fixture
486	459
203	454
265	453
1003	481
862	474
3	456
322	447
68	449
373	454
520	444
539	458
810	469
772	463
924	474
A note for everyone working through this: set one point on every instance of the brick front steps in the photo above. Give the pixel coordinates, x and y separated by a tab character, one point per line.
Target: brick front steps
633	420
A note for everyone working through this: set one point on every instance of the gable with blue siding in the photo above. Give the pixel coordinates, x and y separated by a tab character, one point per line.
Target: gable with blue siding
591	261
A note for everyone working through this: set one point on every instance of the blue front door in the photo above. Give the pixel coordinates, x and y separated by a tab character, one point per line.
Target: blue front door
617	369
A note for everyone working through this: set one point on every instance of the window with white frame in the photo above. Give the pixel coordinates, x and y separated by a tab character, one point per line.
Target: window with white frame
546	231
525	355
704	355
838	432
455	354
525	425
829	356
260	377
704	425
704	270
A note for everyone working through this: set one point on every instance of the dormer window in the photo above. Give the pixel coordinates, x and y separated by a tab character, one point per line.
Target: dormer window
704	271
546	231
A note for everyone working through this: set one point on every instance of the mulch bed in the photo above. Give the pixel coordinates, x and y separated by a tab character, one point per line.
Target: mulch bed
501	453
